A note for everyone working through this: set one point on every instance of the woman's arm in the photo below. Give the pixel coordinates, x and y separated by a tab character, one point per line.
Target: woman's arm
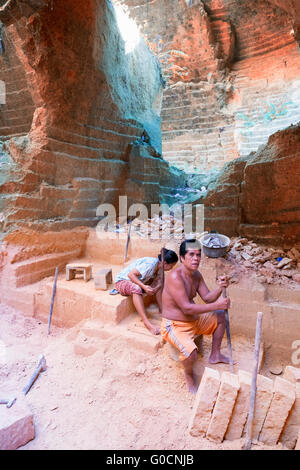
133	276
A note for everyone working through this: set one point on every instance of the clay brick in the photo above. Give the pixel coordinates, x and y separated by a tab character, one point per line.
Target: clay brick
17	427
103	278
204	402
290	433
241	408
263	399
281	404
224	406
292	374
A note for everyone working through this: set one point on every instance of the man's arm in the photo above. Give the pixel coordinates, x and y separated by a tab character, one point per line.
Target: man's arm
211	296
176	289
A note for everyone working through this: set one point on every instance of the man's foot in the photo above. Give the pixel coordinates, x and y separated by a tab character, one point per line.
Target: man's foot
190	383
215	359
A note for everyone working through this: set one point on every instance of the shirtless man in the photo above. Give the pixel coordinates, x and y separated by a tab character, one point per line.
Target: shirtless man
183	320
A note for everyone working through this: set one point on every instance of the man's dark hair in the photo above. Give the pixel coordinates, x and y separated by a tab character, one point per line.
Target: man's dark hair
191	244
170	256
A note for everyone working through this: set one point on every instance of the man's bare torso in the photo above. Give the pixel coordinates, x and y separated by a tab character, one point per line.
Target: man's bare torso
190	286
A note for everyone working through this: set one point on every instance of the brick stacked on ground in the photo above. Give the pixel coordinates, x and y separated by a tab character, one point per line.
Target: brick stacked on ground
221	408
291	429
281	404
224	406
16	425
241	407
204	402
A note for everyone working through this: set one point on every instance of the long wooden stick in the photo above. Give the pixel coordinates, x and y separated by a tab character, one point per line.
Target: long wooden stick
131	219
248	442
228	335
127	242
52	300
162	255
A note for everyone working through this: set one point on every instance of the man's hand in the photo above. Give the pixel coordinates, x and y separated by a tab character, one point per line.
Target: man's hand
223	281
223	303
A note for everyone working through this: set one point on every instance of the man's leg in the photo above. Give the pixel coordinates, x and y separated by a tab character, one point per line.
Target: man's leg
140	308
188	367
218	334
180	335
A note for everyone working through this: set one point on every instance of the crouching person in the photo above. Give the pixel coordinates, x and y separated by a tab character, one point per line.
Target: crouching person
144	276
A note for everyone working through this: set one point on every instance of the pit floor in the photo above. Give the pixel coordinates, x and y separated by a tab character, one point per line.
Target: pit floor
122	396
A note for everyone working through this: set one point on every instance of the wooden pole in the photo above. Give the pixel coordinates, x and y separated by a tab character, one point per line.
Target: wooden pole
128	237
162	255
52	300
127	243
248	443
227	326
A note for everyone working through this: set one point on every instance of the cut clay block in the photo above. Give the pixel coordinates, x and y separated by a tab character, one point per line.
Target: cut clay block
102	278
16	425
241	407
264	394
281	404
290	433
292	374
204	402
224	406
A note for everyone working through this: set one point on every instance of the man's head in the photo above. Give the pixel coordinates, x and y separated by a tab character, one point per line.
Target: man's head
190	253
170	259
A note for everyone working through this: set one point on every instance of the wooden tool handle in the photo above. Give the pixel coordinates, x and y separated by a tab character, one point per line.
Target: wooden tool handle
127	242
227	326
162	255
248	443
52	299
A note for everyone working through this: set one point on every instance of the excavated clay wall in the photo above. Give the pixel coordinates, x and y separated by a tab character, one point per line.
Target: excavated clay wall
85	99
258	196
78	103
233	78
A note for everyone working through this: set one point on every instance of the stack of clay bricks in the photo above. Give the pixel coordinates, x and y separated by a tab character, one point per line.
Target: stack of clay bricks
221	407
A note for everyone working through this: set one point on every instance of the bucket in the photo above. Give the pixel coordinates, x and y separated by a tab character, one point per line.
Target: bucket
212	252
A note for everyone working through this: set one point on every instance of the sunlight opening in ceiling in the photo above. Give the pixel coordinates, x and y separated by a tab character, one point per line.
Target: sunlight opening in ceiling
128	29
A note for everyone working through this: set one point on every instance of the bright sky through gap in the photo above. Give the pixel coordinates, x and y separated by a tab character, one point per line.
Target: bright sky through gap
128	29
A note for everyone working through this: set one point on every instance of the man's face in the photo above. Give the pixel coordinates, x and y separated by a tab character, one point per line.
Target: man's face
191	260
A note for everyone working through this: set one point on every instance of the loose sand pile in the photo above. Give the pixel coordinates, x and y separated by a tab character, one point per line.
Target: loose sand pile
118	398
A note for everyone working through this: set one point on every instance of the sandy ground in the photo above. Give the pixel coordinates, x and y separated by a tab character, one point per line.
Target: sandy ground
119	398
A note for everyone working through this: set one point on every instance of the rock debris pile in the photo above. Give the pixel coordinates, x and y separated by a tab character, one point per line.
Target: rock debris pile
165	226
272	265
